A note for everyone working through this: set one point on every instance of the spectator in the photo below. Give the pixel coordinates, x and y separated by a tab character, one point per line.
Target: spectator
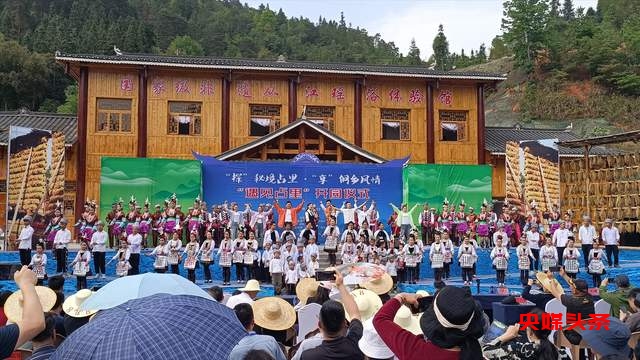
451	326
4	295
617	298
44	342
258	355
74	317
610	343
611	239
244	312
632	318
332	323
32	321
540	298
58	314
372	345
275	317
533	345
579	303
246	295
56	283
216	293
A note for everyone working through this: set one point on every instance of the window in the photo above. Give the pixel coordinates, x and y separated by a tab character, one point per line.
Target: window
395	124
264	119
184	118
453	125
113	115
321	115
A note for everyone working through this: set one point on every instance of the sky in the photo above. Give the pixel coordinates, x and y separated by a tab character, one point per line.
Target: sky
467	23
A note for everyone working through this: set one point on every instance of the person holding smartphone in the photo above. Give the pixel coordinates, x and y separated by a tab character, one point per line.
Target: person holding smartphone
631	315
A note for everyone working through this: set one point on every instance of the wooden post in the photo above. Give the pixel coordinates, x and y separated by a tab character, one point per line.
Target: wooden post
293	100
431	152
320	144
338	153
480	127
142	112
81	159
301	139
357	113
226	105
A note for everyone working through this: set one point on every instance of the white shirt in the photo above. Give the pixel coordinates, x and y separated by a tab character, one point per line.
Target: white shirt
43	260
406	218
610	236
135	242
533	239
242	298
586	234
292	276
287	216
25	237
561	237
176	244
86	257
505	238
161	250
348	215
267	236
63	237
126	252
98	241
276	266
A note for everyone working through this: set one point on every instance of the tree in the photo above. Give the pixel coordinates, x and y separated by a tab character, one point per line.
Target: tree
555	8
524	29
568	13
184	46
498	48
413	56
70	105
481	55
441	51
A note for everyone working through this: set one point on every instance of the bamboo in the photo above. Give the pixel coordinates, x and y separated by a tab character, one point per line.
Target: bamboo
21	193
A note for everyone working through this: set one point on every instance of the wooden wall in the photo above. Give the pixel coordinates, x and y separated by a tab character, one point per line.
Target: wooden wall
381	95
259	92
461	98
326	92
108	84
162	88
498	176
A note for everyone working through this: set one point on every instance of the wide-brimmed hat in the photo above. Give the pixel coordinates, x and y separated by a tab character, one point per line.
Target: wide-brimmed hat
422	293
13	305
371	345
407	320
453	309
273	313
251	285
306	288
368	303
547	283
71	305
381	285
610	340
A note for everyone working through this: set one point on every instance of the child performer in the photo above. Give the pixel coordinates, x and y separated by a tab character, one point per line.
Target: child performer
549	255
291	278
314	265
596	263
448	254
175	244
205	256
411	253
39	263
191	250
250	257
436	256
265	258
80	266
467	257
238	256
331	234
571	258
310	249
225	251
276	268
348	250
500	257
122	256
160	252
524	259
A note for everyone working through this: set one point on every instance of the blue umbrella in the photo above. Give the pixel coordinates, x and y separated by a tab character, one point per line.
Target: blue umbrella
159	326
127	288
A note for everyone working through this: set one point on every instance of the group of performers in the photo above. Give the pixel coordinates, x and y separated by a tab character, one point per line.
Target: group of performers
262	243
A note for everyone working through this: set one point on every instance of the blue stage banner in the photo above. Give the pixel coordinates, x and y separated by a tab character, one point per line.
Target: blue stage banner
302	179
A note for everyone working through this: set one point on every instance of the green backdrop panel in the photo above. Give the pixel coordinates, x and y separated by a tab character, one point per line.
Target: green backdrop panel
156	179
431	183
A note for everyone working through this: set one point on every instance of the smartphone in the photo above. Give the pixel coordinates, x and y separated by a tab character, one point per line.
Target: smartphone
611	280
495	329
554	268
325	275
423	304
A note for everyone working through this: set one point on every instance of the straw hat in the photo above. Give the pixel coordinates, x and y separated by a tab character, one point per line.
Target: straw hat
546	283
273	313
71	305
380	285
13	305
251	285
408	321
306	288
422	293
368	303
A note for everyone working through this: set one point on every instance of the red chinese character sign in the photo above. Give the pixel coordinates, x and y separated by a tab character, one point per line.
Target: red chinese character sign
394	95
372	95
338	93
243	89
416	96
311	91
206	87
270	91
126	84
182	87
158	86
446	97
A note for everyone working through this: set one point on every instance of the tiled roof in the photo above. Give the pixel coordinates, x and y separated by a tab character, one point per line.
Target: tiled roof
65	123
271	65
496	139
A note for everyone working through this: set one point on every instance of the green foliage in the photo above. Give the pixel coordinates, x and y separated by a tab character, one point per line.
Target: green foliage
413	56
498	48
184	46
524	26
70	105
441	50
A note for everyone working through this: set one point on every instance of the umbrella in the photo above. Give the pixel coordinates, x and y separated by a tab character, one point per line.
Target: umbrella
127	288
159	326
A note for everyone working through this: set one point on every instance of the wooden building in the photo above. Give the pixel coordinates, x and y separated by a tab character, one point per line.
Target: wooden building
166	106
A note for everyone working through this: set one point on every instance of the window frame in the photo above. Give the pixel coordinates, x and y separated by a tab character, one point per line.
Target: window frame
275	121
406	122
110	112
327	122
462	125
192	122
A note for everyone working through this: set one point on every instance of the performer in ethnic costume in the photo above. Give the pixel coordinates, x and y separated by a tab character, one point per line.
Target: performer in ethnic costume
427	220
467	258
206	257
330	211
524	259
238	256
258	222
98	247
191	252
549	255
460	221
39	264
160	252
571	258
596	263
157	224
54	225
225	252
122	258
412	256
348	253
436	256
445	219
81	267
170	215
500	260
250	257
214	224
448	254
118	222
132	215
331	234
146	222
373	216
554	219
482	225
109	219
175	244
193	216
